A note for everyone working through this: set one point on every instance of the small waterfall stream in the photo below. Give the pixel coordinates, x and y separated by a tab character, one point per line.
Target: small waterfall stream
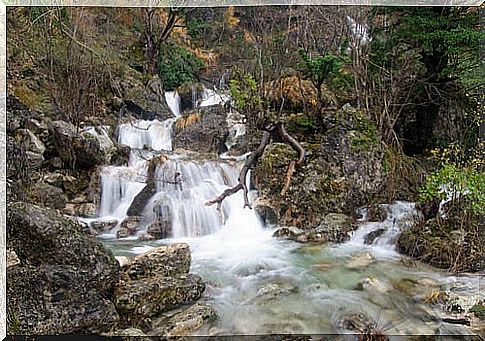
257	283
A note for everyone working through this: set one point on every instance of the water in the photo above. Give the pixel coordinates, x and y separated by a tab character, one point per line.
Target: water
257	283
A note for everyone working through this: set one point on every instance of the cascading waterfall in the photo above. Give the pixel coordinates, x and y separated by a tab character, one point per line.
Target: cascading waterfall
141	134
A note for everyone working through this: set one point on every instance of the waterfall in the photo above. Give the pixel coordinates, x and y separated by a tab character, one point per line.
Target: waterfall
173	100
142	134
182	185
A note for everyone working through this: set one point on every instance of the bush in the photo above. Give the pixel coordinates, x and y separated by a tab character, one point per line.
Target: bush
177	66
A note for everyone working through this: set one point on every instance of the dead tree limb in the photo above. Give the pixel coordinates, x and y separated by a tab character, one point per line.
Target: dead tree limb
250	162
293	164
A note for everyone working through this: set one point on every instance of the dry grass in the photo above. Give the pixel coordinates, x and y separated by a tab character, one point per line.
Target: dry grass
184	122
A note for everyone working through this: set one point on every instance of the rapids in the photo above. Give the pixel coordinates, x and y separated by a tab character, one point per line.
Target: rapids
257	283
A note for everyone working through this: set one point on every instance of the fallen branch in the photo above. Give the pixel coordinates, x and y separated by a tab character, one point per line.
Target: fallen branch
250	162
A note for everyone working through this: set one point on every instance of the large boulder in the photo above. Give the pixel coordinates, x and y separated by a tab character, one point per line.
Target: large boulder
148	297
204	130
185	322
56	299
143	101
47	195
342	171
76	150
65	278
167	260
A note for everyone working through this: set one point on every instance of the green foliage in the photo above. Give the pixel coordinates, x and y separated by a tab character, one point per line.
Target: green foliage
321	69
177	66
197	27
466	184
244	91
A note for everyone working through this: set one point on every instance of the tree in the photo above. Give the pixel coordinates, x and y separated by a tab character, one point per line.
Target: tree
158	25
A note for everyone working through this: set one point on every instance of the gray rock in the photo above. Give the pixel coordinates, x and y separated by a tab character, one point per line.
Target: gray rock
360	261
34	160
167	260
66	279
207	134
76	150
128	227
266	212
373	235
42	236
336	227
47	195
147	297
57	299
30	141
12	258
185	322
103	225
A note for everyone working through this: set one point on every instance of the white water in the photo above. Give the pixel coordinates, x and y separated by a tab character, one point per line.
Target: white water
173	101
141	134
185	186
239	258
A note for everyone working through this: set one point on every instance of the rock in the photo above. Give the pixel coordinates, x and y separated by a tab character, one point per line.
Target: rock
288	232
128	227
360	261
373	235
34	160
204	131
119	155
373	284
87	210
141	199
167	260
356	322
265	212
272	291
12	258
103	225
67	276
47	195
147	297
30	141
342	171
146	237
76	150
134	332
336	227
123	260
42	236
185	322
56	299
54	179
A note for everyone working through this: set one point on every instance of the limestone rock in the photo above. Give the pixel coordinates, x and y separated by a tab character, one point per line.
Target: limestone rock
47	195
167	260
360	261
147	297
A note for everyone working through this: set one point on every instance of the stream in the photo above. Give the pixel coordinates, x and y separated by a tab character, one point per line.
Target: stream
259	284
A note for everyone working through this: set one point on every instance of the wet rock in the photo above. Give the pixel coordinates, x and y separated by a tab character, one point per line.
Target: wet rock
373	235
360	261
167	260
103	225
288	232
76	150
207	134
68	276
119	155
273	291
185	322
12	258
87	210
128	227
336	227
373	284
47	195
147	297
54	179
265	211
141	199
356	322
146	237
